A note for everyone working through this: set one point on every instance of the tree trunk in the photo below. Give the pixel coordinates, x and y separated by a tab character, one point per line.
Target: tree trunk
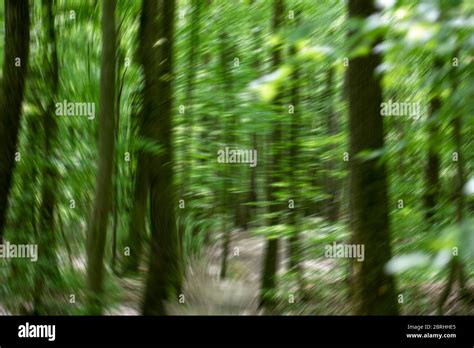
252	195
271	252
293	174
165	269
137	223
116	182
191	77
252	191
456	267
433	162
229	198
374	290
137	228
15	62
99	218
332	184
47	265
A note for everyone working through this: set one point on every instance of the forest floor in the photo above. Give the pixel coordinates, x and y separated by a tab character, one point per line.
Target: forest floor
206	293
326	290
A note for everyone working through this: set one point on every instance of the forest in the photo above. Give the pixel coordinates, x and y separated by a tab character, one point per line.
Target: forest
236	157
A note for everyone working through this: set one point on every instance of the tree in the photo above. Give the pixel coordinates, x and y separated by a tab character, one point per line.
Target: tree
229	198
374	290
15	64
456	269
254	139
137	223
271	252
433	162
99	220
331	184
165	270
47	238
193	58
293	172
456	264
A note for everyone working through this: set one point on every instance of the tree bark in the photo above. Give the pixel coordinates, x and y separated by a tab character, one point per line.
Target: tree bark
47	265
229	199
456	266
191	77
165	268
293	174
137	224
433	162
270	262
17	38
99	218
331	184
374	290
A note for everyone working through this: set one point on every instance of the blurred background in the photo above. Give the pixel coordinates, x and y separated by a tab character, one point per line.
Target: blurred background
293	157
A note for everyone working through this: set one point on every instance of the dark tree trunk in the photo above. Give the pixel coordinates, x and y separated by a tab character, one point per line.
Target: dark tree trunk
99	218
137	228
165	269
374	291
137	223
47	265
17	38
271	251
433	162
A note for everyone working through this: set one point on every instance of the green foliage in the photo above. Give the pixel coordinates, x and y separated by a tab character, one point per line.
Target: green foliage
238	97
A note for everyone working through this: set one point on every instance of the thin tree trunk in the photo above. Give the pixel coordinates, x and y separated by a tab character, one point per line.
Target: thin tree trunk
15	62
119	156
253	197
332	184
252	192
294	160
99	218
229	199
374	290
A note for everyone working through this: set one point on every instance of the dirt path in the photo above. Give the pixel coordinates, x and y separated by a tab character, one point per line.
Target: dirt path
204	292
